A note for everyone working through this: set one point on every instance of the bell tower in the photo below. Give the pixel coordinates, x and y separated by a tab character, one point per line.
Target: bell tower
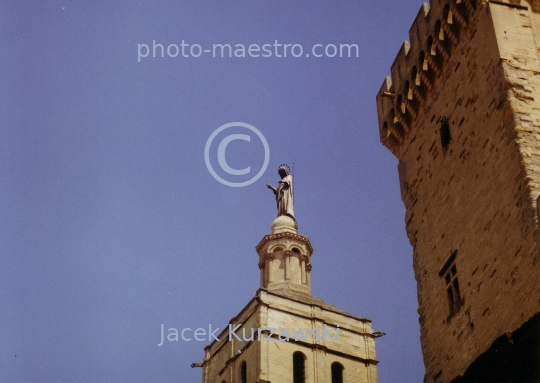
285	258
285	334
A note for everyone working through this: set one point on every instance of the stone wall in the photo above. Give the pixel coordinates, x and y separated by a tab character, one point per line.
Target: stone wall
475	64
272	362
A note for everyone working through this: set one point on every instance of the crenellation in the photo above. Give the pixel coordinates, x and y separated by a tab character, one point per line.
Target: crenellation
398	70
433	35
420	26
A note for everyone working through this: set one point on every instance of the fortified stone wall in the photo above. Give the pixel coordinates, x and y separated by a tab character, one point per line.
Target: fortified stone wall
459	112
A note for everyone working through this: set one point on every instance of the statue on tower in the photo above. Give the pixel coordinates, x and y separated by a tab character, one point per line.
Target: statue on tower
284	193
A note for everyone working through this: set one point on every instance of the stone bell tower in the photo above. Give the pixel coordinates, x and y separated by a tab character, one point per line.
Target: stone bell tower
285	258
285	334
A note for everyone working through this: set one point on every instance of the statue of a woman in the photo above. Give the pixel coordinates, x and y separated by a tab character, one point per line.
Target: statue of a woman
284	193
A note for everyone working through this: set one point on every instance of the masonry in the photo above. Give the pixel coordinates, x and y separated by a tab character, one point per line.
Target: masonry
285	334
461	112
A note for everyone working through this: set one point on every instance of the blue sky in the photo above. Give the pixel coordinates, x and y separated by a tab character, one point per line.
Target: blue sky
110	222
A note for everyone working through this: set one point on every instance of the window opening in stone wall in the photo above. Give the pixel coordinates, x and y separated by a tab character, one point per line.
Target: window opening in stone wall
449	273
299	367
337	372
452	288
445	132
243	373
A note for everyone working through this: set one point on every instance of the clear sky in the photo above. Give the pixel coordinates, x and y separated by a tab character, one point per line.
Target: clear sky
111	223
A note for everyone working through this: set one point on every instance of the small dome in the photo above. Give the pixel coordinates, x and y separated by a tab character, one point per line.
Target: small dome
284	224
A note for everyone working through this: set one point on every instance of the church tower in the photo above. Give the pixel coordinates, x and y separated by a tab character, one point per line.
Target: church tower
285	334
461	112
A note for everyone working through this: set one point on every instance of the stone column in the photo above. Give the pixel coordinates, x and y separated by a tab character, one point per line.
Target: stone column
269	259
263	271
287	254
303	269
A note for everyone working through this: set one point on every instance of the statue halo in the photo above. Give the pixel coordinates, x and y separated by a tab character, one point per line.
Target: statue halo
286	167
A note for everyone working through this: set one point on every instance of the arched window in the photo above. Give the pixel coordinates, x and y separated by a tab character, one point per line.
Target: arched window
337	372
299	367
243	373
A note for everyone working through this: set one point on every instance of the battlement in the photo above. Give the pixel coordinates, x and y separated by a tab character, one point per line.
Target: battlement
434	35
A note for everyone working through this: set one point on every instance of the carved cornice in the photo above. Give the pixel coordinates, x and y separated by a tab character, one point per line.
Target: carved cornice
273	237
